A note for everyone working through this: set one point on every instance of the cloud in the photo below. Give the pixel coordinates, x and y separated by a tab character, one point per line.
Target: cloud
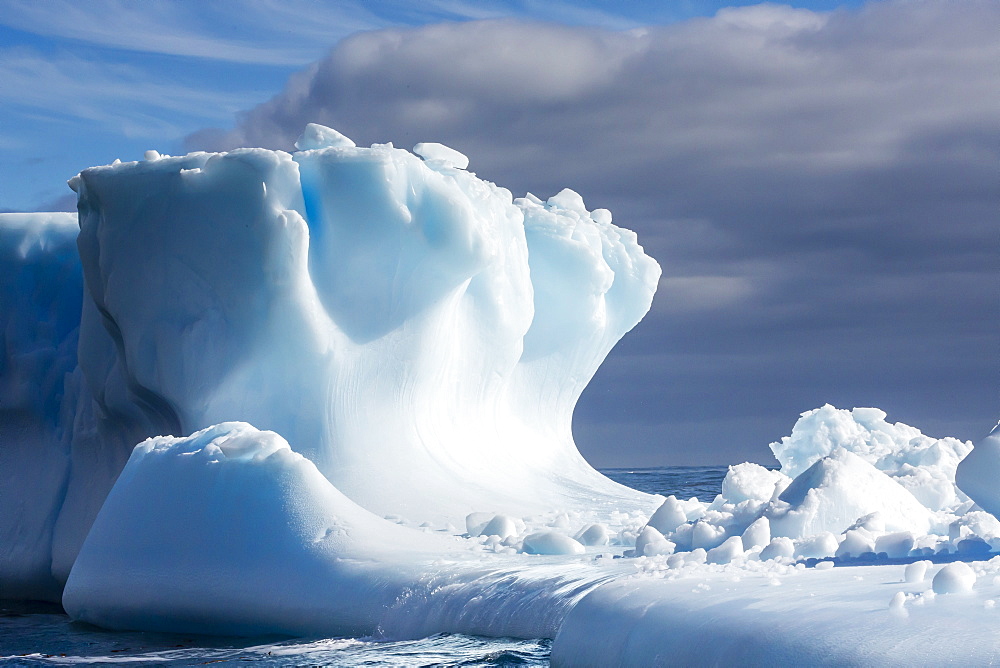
113	95
820	189
264	32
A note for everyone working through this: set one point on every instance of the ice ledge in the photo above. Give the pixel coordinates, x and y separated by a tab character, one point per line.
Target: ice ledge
840	616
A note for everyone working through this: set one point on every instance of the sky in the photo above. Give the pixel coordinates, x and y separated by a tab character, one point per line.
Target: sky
819	180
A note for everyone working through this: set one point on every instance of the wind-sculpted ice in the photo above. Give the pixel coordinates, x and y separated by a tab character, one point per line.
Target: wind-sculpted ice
413	330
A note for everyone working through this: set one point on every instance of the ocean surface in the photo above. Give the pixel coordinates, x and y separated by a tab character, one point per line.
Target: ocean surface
41	635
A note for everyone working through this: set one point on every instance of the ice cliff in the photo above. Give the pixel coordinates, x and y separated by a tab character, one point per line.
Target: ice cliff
414	331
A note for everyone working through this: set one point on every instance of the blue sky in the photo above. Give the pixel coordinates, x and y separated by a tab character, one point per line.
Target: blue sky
817	181
85	83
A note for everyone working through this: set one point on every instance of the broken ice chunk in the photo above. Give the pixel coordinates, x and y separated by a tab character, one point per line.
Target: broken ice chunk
434	152
569	200
317	136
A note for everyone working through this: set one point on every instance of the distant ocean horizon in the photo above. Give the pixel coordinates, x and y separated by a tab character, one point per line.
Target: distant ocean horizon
683	482
42	635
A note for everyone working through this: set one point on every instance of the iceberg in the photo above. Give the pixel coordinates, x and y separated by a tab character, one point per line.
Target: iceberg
330	392
414	331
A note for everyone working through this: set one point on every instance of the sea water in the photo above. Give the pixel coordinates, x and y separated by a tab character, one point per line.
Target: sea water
38	634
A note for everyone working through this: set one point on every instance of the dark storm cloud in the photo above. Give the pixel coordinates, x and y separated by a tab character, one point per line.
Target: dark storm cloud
820	189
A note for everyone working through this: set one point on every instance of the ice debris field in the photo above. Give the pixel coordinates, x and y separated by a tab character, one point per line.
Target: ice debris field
330	393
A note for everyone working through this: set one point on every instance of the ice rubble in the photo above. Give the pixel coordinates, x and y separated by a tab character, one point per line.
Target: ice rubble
850	484
923	465
420	339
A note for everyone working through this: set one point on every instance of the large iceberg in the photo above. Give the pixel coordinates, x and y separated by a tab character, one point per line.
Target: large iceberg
417	333
330	392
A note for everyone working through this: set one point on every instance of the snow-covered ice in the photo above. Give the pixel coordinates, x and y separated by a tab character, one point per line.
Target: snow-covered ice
233	512
409	343
413	330
923	465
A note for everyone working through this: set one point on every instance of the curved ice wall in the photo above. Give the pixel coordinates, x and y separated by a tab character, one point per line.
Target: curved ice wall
418	334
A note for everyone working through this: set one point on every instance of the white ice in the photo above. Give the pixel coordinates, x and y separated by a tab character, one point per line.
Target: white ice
229	531
235	513
417	334
411	341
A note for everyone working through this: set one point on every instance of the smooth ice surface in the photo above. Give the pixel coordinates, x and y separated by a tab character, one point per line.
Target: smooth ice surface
230	531
724	616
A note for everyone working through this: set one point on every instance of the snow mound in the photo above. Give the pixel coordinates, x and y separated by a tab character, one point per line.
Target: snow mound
551	542
954	578
837	490
924	465
229	531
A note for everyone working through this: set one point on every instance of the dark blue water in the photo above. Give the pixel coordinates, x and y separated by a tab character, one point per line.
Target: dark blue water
681	481
36	635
